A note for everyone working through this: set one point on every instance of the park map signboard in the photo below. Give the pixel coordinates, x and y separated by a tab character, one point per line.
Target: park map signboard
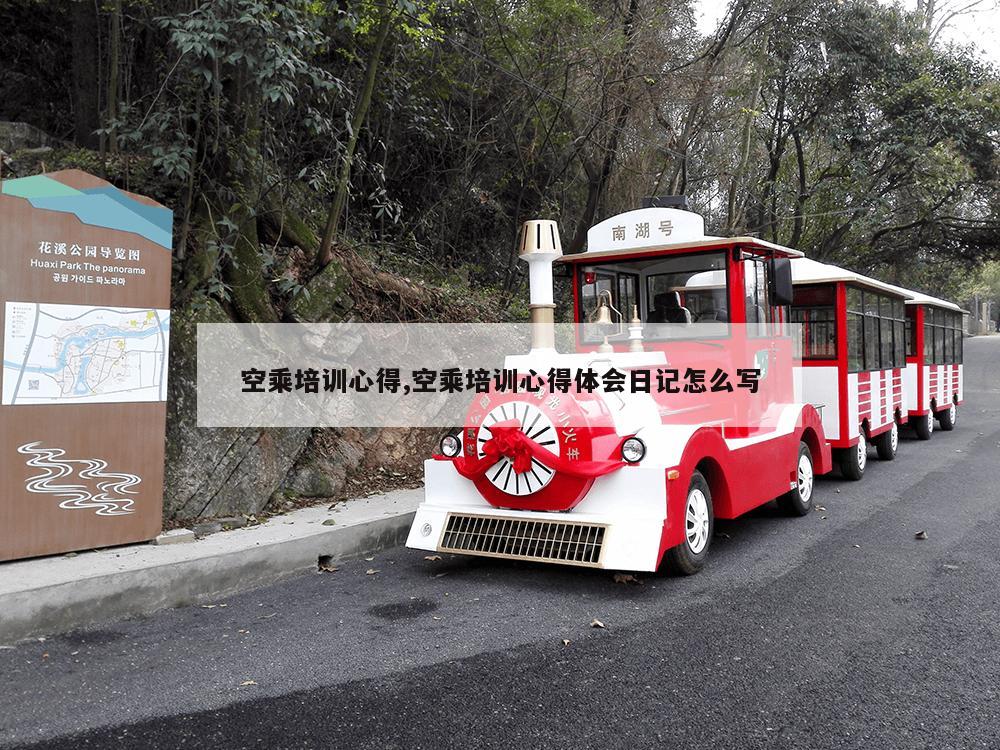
85	320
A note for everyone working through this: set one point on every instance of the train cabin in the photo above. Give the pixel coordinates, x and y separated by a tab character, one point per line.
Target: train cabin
853	330
933	380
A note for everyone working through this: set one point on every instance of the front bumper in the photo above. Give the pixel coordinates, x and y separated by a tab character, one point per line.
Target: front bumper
618	526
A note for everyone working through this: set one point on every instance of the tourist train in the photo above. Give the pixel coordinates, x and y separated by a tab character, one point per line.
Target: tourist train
628	479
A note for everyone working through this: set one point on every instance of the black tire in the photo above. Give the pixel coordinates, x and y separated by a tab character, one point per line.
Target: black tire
854	460
924	426
947	418
798	502
684	559
888	443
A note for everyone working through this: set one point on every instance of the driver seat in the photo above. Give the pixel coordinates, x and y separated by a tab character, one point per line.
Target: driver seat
667	308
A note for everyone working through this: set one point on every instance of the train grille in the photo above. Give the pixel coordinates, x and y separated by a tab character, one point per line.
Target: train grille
525	539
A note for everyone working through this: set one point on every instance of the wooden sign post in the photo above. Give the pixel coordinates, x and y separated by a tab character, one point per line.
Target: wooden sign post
85	319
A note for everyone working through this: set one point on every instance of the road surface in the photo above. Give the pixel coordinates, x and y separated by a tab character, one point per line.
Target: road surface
838	630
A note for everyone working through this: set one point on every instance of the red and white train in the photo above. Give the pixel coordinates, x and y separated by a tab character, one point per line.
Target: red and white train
629	480
933	379
853	358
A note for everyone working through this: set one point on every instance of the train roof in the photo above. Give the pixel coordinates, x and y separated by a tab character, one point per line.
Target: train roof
707	243
919	298
651	231
809	271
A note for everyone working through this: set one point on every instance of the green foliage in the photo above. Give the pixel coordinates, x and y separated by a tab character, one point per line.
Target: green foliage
834	125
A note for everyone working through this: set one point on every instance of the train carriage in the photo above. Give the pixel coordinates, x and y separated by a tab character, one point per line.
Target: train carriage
537	476
853	331
933	379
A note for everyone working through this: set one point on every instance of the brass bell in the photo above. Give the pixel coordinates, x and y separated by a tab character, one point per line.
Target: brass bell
603	315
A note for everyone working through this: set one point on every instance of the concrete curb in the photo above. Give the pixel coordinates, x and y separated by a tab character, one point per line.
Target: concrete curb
56	594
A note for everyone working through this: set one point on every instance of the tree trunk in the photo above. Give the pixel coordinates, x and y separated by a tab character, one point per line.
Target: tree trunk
597	183
85	73
357	122
114	63
734	215
803	196
243	173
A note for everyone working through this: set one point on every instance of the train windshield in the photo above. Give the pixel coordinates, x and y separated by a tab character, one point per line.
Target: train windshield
679	296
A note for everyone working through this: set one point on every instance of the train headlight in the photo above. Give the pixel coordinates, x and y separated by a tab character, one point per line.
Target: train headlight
633	450
451	446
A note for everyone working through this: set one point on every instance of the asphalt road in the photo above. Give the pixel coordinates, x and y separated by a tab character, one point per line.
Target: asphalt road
838	630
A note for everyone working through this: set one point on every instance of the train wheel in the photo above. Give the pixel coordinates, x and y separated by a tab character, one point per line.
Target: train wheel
798	502
688	557
924	426
888	443
948	417
854	460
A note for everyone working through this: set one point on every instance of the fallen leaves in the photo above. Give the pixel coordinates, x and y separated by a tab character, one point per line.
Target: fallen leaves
565	641
627	578
329	522
432	558
595	623
325	564
921	535
247	683
371	572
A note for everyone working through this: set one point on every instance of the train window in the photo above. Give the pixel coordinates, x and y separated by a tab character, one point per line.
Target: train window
871	343
888	349
942	336
855	342
814	310
819	331
628	293
689	291
897	352
854	300
928	337
911	331
876	331
594	284
855	330
759	313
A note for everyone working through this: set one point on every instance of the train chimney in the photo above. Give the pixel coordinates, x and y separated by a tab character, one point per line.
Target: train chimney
539	246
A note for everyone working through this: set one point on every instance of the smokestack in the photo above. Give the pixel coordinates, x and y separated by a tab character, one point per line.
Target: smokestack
539	246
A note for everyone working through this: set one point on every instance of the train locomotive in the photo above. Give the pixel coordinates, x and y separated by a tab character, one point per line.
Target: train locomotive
632	480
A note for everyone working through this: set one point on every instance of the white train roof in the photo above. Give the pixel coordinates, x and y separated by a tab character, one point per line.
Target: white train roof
808	271
919	298
650	230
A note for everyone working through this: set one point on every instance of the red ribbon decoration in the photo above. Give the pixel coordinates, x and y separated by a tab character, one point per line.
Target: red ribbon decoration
509	441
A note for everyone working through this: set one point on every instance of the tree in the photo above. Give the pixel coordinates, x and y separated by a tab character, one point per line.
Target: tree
241	67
